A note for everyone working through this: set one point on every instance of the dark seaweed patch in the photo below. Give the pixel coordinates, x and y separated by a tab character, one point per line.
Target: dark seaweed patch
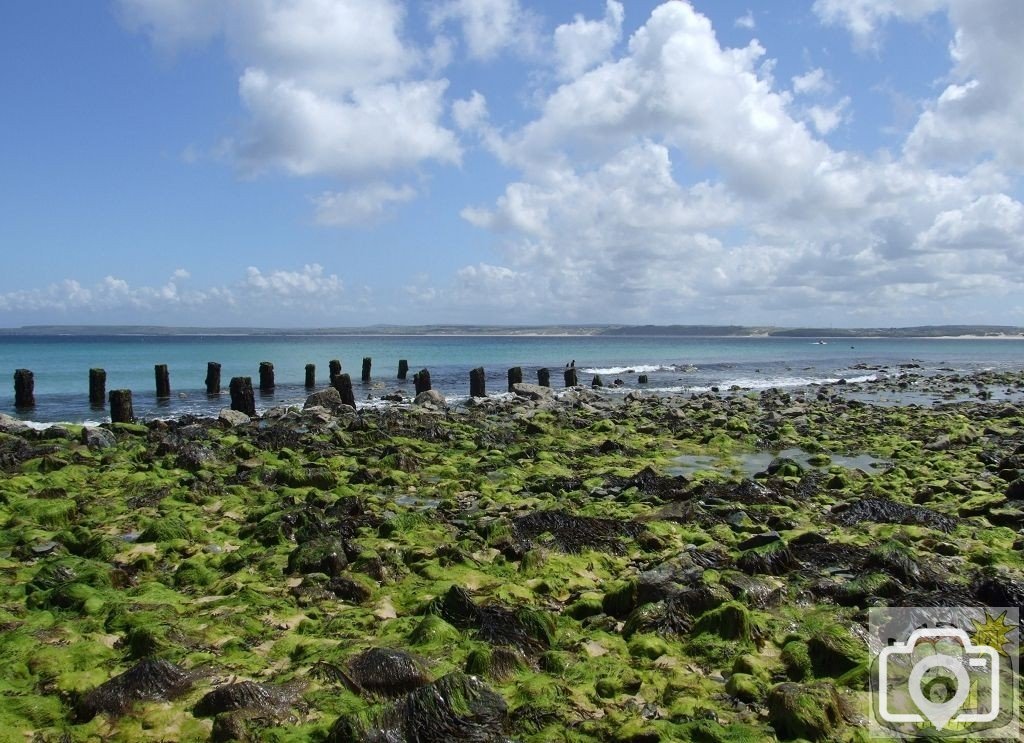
576	533
881	511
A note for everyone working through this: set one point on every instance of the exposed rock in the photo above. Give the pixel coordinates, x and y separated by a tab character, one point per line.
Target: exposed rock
430	397
329	398
532	391
233	417
147	680
759	540
98	438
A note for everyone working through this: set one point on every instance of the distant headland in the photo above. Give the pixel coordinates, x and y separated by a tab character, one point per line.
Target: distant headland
738	331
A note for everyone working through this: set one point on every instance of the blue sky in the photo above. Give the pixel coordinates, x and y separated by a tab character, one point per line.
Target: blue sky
348	162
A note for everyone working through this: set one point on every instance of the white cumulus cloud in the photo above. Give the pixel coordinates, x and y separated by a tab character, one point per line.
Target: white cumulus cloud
583	44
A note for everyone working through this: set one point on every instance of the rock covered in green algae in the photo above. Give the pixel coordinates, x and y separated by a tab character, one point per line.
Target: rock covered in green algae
811	711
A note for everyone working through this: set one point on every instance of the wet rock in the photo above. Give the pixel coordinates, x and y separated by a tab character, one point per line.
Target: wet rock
148	680
387	672
759	540
247	695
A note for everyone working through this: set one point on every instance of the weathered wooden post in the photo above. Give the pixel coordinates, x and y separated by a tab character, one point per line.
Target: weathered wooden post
403	368
642	379
544	377
477	384
310	376
333	368
367	362
97	388
515	376
421	380
242	397
570	376
24	389
121	407
163	381
266	376
343	384
596	381
212	378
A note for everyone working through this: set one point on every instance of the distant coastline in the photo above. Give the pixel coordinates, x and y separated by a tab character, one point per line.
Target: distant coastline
965	332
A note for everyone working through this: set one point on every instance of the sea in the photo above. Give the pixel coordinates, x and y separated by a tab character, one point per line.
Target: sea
672	364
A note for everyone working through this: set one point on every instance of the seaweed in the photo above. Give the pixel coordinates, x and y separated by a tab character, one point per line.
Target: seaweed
881	511
573	534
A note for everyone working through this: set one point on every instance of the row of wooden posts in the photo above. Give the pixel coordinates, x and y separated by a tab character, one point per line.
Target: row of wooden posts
241	389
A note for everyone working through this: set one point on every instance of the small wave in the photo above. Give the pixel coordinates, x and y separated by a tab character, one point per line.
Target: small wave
638	369
764	384
38	426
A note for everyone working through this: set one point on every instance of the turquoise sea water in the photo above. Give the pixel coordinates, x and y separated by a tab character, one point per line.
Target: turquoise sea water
61	364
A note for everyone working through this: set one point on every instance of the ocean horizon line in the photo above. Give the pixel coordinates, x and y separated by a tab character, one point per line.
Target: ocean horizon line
945	331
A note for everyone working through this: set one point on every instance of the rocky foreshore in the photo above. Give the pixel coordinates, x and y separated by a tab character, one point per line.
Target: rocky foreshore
536	567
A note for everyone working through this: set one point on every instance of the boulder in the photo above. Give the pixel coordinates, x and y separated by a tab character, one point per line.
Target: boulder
430	397
809	711
329	398
9	424
233	417
98	438
532	391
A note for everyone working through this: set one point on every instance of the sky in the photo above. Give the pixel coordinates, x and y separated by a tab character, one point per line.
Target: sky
320	163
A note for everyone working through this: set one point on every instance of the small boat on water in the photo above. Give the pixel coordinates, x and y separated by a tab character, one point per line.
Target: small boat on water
821	343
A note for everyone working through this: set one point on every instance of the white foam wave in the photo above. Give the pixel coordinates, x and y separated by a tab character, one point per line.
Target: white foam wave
764	384
38	426
638	369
